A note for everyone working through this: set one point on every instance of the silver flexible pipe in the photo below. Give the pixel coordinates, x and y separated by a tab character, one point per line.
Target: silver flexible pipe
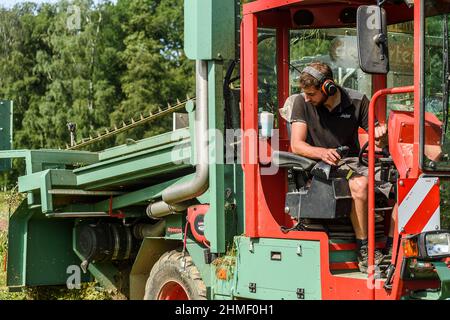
173	196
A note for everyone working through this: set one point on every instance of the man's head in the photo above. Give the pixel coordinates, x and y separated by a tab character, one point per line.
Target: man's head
312	87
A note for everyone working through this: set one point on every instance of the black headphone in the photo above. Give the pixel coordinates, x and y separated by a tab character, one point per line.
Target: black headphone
327	85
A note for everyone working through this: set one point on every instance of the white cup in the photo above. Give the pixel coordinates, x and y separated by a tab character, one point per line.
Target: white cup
266	123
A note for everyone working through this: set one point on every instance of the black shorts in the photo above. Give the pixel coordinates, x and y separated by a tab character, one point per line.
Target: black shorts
350	167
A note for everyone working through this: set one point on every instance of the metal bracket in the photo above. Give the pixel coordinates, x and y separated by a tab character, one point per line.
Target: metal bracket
301	293
299	250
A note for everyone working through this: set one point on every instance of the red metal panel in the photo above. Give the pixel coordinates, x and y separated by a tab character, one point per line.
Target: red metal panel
380	82
415	171
263	5
249	76
283	75
371	202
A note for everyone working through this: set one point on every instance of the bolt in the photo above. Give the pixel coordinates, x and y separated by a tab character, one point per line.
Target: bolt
401	183
286	210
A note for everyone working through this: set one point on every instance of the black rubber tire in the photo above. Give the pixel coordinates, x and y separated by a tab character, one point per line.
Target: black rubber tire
169	268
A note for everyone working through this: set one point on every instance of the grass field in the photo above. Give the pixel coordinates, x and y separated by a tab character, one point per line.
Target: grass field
89	291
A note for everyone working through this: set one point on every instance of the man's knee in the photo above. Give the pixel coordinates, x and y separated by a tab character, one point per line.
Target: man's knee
358	187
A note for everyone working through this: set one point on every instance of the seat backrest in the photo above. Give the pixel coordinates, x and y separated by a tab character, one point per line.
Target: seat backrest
283	159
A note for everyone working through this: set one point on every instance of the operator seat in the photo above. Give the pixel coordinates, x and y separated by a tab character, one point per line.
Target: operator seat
304	185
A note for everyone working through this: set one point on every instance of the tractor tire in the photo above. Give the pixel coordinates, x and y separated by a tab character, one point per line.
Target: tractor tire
175	277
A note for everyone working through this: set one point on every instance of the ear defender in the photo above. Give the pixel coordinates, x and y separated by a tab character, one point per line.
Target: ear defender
329	87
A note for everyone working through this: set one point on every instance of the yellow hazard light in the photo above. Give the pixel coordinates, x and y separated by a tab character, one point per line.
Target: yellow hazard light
410	247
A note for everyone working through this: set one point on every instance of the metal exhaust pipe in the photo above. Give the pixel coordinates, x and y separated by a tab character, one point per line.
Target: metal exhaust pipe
175	197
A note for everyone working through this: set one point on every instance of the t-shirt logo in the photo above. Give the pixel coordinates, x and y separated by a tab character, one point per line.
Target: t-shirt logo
345	116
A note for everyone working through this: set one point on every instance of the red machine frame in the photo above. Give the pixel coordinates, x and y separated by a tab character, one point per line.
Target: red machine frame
264	208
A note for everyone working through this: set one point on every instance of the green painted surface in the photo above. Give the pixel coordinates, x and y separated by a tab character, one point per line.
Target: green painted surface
215	219
147	163
149	143
222	289
278	279
443	293
39	160
39	250
175	225
209	29
149	253
139	196
57	178
17	245
6	131
197	253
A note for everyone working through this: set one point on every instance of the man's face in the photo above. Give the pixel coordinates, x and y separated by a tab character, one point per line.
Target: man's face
314	96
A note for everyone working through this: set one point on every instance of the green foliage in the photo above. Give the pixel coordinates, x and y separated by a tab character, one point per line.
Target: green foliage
125	59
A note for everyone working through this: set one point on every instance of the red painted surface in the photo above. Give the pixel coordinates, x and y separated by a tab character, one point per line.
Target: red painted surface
371	212
425	210
415	170
192	213
264	194
172	290
401	138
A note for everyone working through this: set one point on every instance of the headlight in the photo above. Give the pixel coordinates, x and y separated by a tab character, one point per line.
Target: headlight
437	244
427	245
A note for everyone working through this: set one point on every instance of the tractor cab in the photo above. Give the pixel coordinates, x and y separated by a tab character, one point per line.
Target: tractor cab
369	48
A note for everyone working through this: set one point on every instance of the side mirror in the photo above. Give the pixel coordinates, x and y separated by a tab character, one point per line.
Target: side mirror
372	39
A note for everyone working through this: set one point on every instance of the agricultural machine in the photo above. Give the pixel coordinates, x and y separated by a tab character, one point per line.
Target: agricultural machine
217	208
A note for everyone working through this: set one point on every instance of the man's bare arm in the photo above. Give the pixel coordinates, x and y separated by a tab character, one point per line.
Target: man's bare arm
301	147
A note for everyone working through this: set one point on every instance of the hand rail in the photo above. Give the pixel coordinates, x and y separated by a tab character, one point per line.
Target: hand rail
371	187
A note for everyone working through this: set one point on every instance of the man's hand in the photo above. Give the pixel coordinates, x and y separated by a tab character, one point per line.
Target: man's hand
381	137
330	156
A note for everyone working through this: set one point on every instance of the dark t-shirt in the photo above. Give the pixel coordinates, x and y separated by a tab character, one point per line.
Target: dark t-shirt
336	128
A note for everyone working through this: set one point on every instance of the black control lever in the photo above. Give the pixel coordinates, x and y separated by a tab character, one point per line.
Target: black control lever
343	151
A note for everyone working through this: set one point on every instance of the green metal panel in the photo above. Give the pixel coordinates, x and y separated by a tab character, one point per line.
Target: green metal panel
215	220
39	160
45	181
139	196
209	29
221	289
39	249
150	162
175	225
148	143
298	267
6	131
150	251
17	245
198	257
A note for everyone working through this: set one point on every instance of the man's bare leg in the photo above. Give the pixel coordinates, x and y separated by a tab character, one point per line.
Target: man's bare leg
358	188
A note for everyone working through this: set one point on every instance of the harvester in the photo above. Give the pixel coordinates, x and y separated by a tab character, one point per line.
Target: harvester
220	208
